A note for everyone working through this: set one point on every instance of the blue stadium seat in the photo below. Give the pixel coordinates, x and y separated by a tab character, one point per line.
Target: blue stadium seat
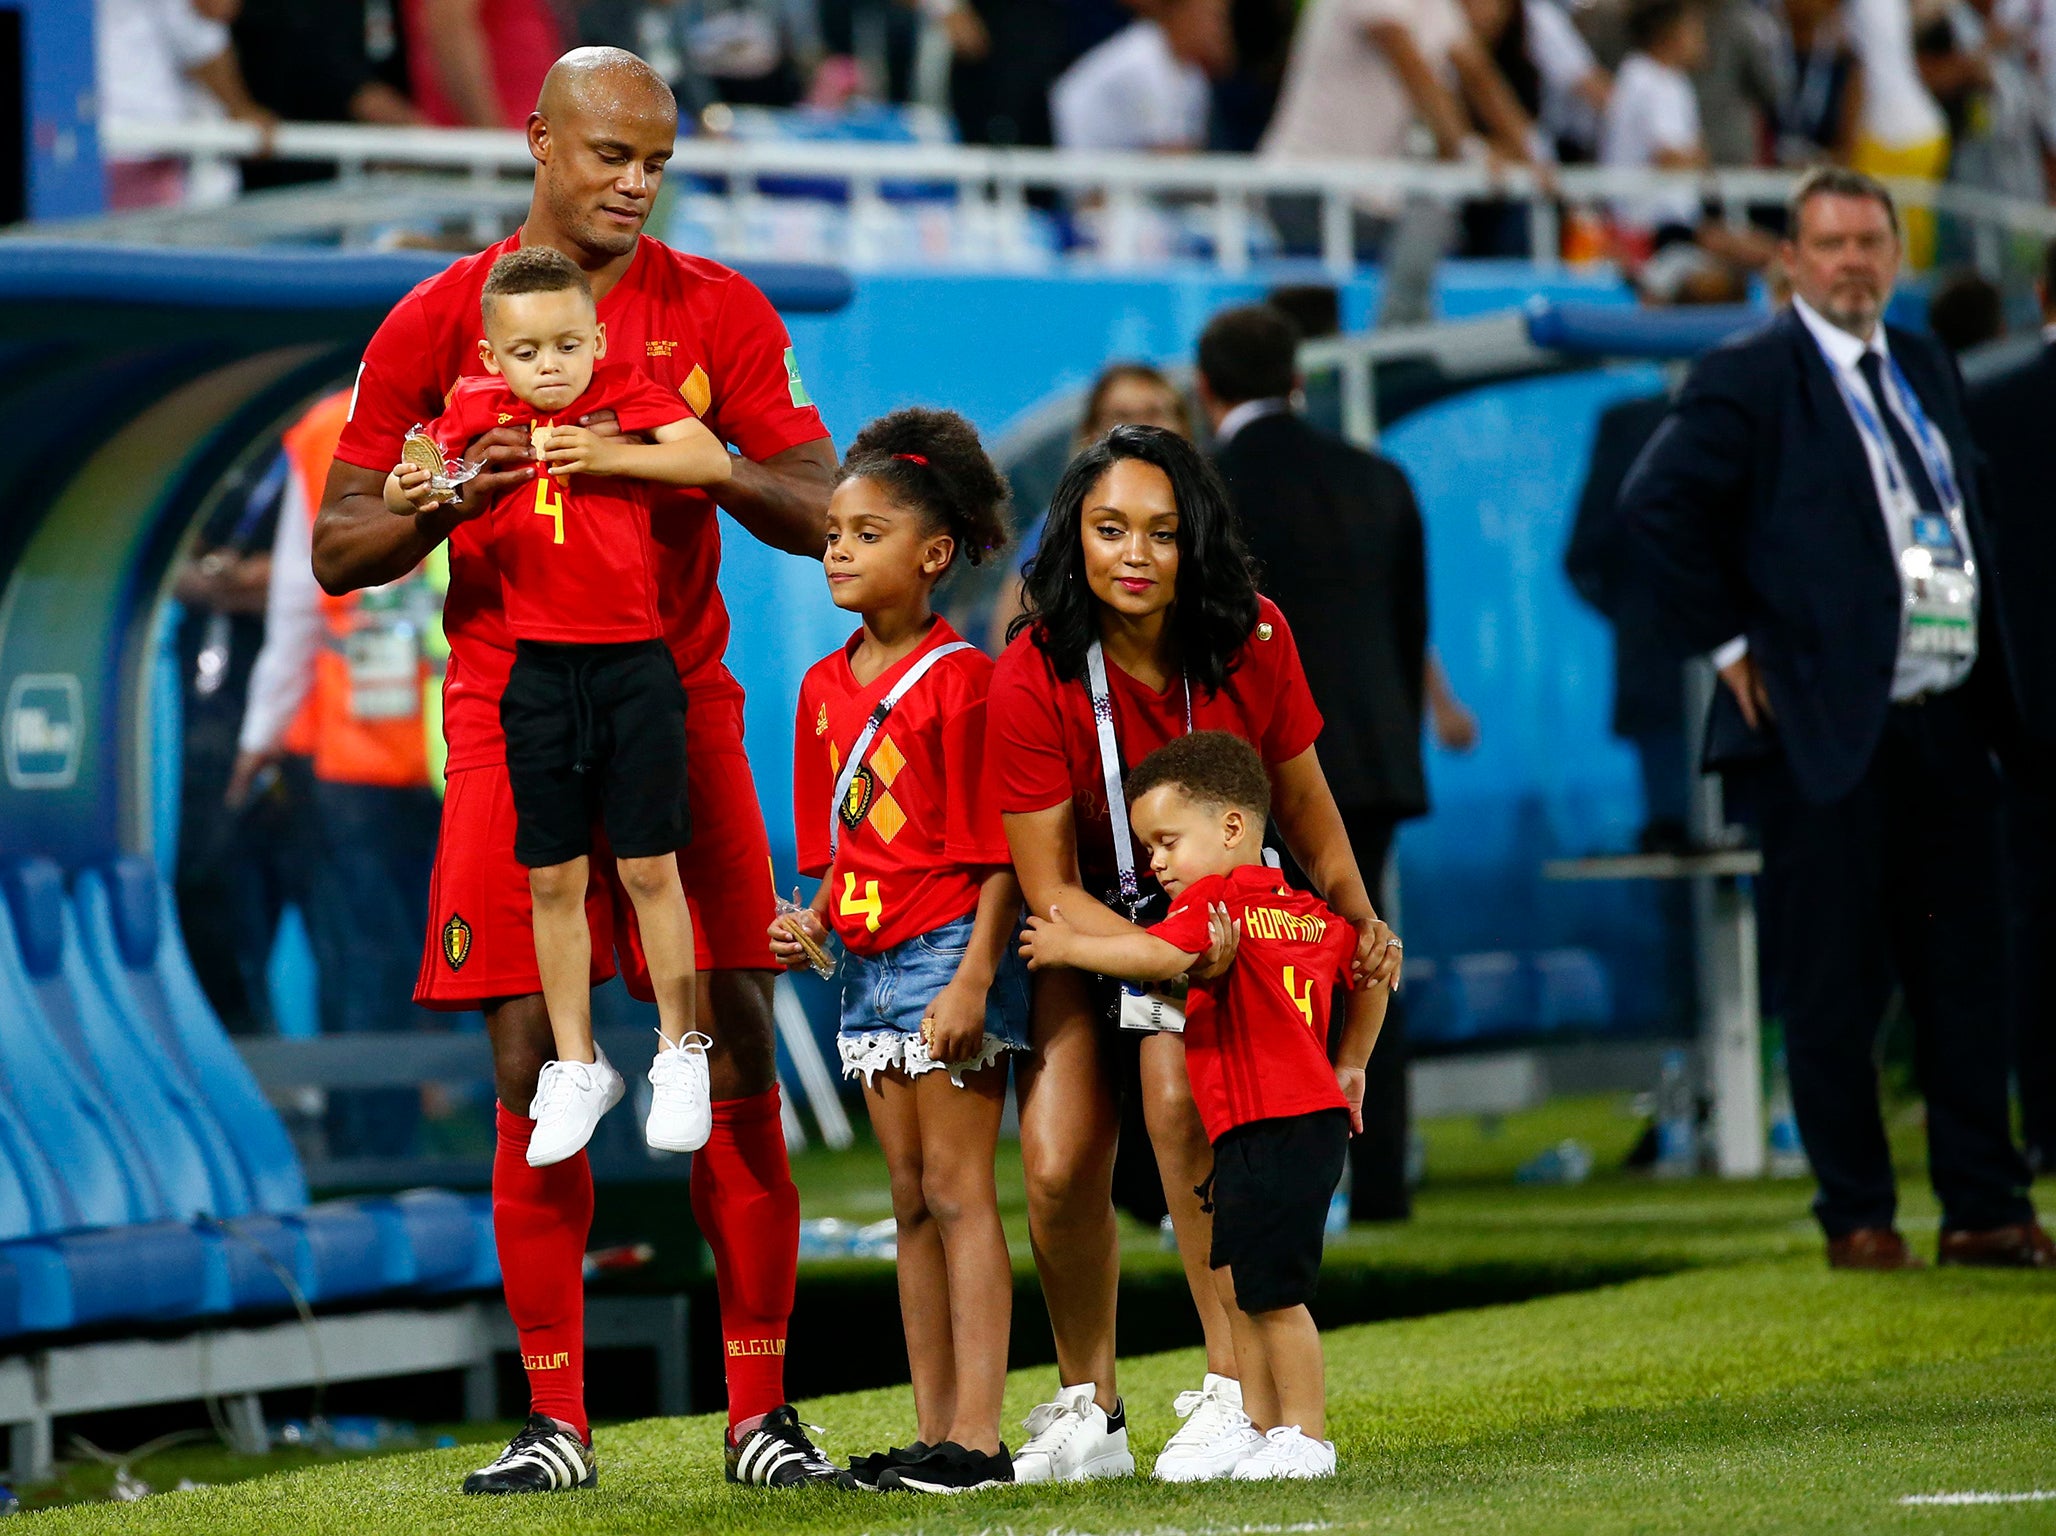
425	1240
193	1169
131	930
100	1248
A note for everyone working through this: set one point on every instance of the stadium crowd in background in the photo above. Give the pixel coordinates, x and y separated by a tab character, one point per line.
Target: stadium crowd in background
1963	89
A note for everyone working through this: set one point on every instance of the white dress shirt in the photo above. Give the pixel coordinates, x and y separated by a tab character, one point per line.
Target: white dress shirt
1242	415
1915	673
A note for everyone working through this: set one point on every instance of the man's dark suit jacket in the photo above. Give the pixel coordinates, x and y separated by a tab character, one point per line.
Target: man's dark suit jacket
1337	539
2013	418
1648	680
1754	514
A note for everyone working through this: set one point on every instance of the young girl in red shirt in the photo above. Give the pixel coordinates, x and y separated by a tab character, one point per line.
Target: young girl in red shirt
893	812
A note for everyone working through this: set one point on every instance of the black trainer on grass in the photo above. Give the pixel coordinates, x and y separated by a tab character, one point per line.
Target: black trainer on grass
866	1470
778	1454
544	1458
950	1468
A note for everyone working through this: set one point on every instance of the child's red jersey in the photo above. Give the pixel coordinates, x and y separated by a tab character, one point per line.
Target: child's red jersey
1256	1039
692	325
919	827
576	557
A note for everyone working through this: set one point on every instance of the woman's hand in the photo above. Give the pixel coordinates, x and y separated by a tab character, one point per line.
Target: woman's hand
1224	937
1351	1081
786	947
954	1027
1378	954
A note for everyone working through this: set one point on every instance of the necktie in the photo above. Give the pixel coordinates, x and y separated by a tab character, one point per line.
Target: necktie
1911	464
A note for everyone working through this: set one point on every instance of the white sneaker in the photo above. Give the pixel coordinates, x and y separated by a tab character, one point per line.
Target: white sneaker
1287	1451
570	1097
681	1098
1073	1439
1215	1438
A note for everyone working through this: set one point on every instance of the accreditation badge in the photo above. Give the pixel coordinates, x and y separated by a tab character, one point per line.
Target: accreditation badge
1150	1013
1941	592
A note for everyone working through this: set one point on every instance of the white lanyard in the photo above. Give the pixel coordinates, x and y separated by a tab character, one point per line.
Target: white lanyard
884	707
1110	768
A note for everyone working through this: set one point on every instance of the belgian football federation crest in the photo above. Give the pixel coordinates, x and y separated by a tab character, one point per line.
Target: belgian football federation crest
856	804
456	942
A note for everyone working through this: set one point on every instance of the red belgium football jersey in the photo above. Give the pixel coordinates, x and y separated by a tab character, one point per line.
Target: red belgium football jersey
1045	743
577	562
919	827
697	328
1256	1039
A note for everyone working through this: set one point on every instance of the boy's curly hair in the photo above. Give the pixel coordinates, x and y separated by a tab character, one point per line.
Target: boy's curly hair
1212	768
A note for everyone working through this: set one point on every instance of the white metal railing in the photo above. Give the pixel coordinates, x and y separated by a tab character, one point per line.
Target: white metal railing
997	181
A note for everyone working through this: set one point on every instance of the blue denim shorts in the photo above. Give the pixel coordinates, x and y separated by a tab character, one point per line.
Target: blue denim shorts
885	997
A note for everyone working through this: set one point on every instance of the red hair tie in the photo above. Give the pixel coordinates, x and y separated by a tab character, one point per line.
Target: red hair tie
913	458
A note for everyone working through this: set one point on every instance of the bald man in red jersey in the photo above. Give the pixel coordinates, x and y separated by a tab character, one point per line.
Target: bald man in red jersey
601	133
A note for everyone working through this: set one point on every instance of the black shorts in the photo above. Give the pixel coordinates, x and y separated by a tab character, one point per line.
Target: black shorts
595	728
1272	1182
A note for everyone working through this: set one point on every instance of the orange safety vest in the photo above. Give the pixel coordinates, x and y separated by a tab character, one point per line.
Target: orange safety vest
358	727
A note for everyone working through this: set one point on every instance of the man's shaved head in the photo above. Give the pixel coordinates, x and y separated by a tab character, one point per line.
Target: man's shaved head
588	81
603	128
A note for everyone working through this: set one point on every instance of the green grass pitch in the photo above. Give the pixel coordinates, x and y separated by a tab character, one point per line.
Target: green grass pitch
1747	1390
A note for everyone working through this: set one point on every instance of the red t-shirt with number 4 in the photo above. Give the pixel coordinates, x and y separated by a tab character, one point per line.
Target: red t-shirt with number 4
920	826
1256	1039
576	557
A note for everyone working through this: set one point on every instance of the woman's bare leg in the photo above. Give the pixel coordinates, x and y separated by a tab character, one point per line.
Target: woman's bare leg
1068	1130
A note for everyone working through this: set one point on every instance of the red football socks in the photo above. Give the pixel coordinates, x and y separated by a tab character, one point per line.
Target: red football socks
541	1219
749	1212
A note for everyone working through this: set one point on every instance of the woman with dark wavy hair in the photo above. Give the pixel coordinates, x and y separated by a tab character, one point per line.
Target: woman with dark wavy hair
1143	622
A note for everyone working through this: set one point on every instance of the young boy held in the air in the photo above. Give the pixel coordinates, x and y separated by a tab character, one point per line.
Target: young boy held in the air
1278	1111
593	711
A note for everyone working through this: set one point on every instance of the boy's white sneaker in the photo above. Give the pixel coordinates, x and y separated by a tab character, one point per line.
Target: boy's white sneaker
681	1097
1072	1439
1287	1451
1215	1438
570	1097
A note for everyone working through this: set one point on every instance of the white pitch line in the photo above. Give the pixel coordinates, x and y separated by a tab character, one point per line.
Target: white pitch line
2039	1496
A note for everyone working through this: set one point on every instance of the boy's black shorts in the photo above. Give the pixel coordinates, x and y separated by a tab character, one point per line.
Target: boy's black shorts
1272	1182
595	727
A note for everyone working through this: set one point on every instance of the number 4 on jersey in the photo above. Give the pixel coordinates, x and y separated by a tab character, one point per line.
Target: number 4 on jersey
869	907
548	503
1302	997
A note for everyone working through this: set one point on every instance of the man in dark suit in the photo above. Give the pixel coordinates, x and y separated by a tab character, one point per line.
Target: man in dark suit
2009	418
1807	512
1337	539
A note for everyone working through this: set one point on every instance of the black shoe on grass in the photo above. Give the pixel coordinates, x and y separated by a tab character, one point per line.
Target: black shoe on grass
866	1470
950	1468
778	1454
544	1458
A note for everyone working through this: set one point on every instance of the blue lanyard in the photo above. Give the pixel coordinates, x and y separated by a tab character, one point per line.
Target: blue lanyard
1926	439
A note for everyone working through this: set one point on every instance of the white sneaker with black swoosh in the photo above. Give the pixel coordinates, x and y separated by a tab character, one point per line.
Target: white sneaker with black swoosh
544	1458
